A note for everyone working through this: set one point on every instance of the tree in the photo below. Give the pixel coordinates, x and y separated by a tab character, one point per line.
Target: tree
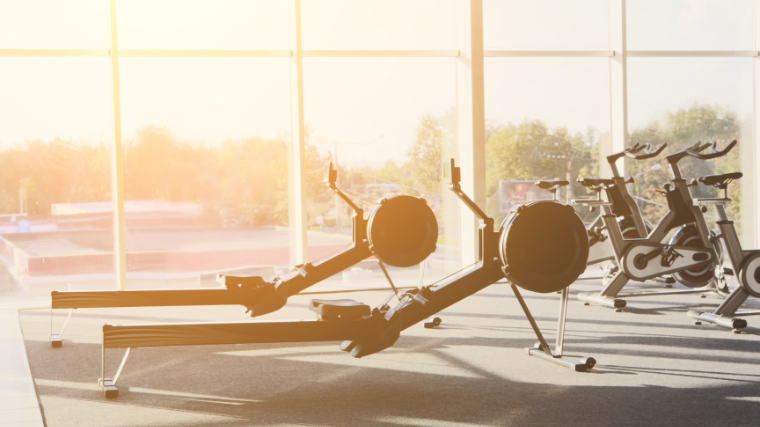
58	171
424	164
682	129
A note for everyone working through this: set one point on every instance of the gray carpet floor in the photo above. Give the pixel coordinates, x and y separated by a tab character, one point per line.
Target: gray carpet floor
655	367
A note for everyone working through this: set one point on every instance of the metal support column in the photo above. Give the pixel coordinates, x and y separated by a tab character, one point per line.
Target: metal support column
618	83
750	187
471	119
117	162
296	153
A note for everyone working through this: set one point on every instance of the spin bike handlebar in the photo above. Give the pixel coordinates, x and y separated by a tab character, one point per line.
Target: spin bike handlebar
713	151
631	152
674	158
648	153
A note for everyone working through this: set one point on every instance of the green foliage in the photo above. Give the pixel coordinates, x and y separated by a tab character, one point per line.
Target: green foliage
424	166
252	174
244	182
59	171
532	151
682	129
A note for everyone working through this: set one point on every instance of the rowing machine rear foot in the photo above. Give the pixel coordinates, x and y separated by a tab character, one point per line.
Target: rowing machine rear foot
109	388
432	323
55	341
583	365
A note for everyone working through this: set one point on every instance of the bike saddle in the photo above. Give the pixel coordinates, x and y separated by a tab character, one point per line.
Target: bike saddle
339	308
546	185
720	181
595	182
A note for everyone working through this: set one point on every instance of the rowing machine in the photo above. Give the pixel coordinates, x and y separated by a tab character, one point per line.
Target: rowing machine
541	246
401	231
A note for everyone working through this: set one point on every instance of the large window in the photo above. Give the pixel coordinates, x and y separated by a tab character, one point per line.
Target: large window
55	180
546	97
545	24
712	102
205	144
388	123
203	25
690	79
547	118
375	25
210	94
698	25
52	24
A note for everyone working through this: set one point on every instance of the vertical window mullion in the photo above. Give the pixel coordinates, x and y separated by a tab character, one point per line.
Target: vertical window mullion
117	160
750	187
471	117
618	85
296	155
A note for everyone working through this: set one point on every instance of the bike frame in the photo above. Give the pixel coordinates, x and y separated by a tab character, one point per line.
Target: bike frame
681	212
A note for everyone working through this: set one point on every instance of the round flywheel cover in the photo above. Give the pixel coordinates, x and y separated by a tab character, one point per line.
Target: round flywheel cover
402	231
543	246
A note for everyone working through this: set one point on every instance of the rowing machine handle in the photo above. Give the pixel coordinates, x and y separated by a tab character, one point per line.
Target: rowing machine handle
648	153
713	151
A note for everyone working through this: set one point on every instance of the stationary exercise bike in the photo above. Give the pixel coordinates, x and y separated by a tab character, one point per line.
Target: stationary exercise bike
648	258
622	204
631	221
746	262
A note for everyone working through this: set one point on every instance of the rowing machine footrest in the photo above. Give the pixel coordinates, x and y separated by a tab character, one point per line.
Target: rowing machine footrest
344	309
241	283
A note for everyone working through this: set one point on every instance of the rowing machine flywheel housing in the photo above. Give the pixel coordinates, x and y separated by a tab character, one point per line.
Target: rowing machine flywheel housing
543	246
402	231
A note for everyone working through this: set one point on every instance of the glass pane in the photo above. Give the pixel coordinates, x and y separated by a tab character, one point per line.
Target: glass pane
53	24
546	119
373	24
204	24
545	24
205	145
712	102
389	124
55	192
689	24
